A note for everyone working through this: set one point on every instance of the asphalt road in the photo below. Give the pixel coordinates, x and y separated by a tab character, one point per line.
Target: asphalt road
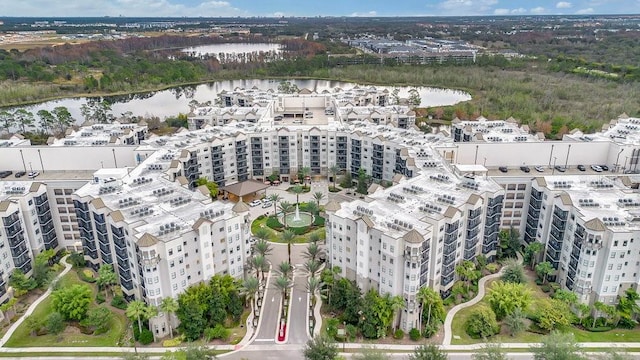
269	315
298	332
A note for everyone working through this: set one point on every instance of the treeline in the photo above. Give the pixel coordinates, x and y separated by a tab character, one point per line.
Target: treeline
608	71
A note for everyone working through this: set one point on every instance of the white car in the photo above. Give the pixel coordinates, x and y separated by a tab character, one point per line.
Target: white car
539	168
33	174
255	203
596	168
266	204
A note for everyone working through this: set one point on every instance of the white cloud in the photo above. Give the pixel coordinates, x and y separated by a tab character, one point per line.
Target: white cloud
466	7
147	8
370	13
517	11
538	10
585	11
564	5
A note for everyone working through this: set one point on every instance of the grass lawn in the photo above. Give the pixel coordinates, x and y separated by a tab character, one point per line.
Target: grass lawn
238	332
457	327
71	336
274	236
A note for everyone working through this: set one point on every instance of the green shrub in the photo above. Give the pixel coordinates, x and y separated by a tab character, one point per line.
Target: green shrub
299	230
86	275
100	297
545	288
399	334
600	329
274	223
430	330
318	221
414	334
492	268
352	331
334	189
172	342
332	327
218	332
119	302
482	323
146	337
260	217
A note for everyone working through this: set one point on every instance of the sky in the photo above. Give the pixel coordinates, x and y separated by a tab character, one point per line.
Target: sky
224	8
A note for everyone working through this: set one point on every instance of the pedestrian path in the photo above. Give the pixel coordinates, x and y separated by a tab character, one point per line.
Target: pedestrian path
32	307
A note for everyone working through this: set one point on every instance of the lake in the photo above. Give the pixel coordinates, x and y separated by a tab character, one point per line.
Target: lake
176	100
232	50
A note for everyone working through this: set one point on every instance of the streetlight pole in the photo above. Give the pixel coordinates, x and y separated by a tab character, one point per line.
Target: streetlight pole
344	338
618	158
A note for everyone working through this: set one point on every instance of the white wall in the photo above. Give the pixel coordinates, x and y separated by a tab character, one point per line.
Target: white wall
534	153
66	158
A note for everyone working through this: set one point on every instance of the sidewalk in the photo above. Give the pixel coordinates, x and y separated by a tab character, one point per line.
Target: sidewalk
35	304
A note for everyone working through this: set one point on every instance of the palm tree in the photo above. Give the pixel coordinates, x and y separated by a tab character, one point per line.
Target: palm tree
286	208
426	296
334	171
312	251
258	263
396	303
283	284
304	172
533	249
249	289
262	247
275	199
312	266
137	310
544	269
262	234
288	238
314	238
285	269
318	196
297	190
467	273
169	306
106	278
313	286
599	307
312	207
336	270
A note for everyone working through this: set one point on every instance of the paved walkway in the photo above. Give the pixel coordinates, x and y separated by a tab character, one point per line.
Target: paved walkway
35	304
448	321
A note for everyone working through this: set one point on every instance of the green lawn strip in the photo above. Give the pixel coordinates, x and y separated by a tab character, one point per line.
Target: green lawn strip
22	338
85	354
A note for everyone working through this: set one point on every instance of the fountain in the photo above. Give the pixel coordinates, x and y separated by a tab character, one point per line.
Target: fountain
297	218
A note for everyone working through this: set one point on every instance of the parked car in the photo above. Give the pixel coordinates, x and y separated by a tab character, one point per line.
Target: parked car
266	204
255	203
503	169
33	174
604	167
539	168
581	168
525	169
560	168
4	174
20	174
596	168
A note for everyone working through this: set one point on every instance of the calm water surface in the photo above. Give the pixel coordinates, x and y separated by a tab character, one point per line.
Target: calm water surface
176	100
